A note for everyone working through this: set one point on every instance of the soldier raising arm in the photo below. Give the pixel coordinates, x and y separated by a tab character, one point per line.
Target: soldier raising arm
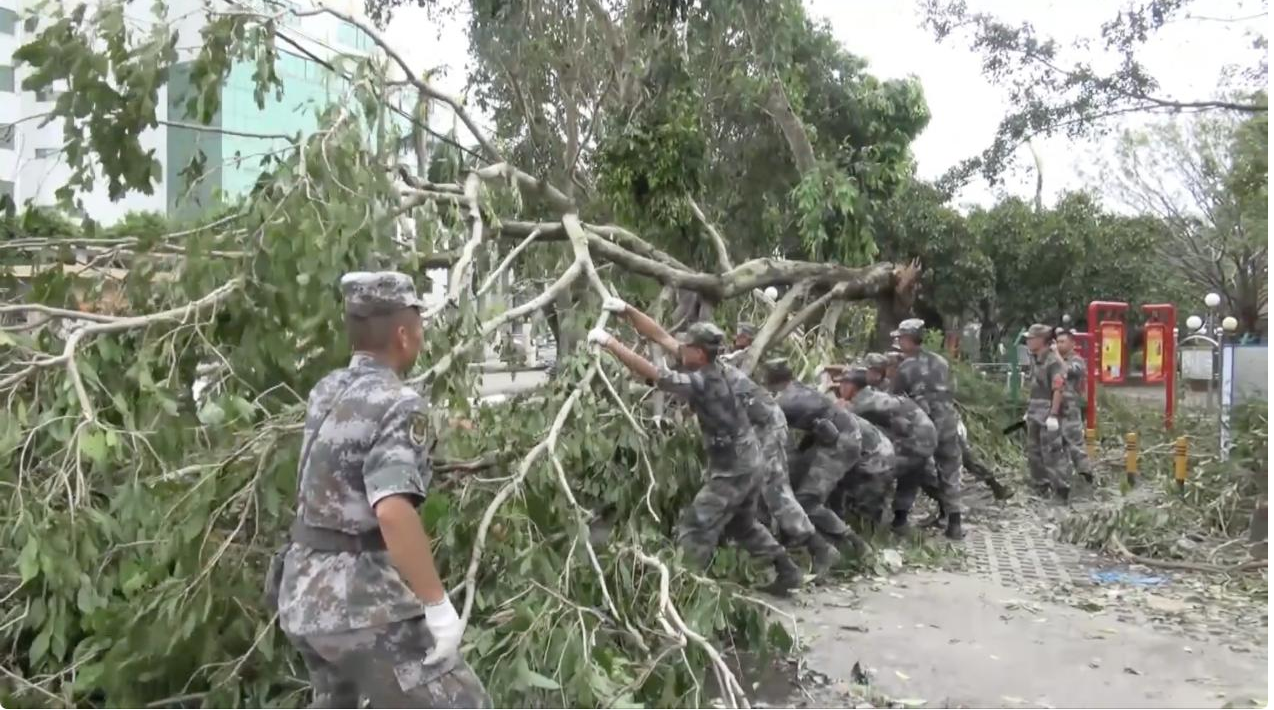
726	505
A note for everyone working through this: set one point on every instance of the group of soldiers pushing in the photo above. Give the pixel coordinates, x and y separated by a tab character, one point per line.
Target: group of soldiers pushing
819	468
357	590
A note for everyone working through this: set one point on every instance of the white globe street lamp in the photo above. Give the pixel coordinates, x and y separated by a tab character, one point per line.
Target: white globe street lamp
1194	323
1230	324
1212	300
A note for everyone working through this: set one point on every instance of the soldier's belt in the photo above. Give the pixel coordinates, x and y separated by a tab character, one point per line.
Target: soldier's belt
327	540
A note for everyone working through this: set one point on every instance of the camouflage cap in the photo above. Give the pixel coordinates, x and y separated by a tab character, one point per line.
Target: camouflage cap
911	326
777	370
875	361
856	374
1039	330
378	293
705	335
746	329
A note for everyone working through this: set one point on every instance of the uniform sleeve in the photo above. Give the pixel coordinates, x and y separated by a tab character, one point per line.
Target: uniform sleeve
398	461
675	383
1056	376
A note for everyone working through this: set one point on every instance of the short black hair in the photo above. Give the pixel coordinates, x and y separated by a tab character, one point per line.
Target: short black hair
373	333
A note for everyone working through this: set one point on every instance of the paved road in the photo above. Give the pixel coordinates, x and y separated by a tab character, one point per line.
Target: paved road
943	639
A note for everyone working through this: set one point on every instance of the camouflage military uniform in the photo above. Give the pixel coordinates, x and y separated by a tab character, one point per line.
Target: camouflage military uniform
924	378
914	438
1073	415
863	491
1045	452
835	445
358	626
772	435
726	505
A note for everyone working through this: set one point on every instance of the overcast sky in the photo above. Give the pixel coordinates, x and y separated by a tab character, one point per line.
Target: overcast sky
1186	57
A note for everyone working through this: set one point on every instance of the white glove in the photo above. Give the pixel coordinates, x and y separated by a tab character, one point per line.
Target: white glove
964	433
614	305
1051	423
444	625
598	336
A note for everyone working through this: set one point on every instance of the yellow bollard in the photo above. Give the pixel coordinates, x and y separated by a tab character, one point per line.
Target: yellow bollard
1130	457
1090	443
1179	452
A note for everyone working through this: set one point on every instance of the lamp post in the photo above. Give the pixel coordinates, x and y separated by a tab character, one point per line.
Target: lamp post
1229	325
1212	301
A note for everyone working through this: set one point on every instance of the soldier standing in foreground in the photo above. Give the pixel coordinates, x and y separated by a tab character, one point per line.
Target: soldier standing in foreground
913	434
726	505
359	595
924	376
1073	404
1045	452
836	445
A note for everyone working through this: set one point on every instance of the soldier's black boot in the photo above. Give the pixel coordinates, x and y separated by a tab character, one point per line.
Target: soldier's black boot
999	490
899	525
954	531
824	554
1064	495
936	520
1087	476
787	576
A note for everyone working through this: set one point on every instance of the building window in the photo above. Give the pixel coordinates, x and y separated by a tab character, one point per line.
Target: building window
29	24
6	191
8	21
6	79
43	153
7	131
47	94
354	37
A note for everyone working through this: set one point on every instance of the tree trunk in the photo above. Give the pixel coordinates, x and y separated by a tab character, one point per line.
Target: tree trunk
889	313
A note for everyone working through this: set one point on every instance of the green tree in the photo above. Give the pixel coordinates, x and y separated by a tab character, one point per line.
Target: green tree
1206	181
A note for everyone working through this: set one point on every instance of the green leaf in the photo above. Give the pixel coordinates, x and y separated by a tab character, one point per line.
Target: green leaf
40	646
29	560
93	445
211	414
535	680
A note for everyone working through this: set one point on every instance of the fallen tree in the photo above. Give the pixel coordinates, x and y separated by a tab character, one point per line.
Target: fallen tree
150	454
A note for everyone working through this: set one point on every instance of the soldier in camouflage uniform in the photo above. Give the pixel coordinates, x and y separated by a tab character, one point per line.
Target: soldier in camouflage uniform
743	337
835	445
1045	452
357	590
863	491
726	505
878	377
1073	404
913	434
924	376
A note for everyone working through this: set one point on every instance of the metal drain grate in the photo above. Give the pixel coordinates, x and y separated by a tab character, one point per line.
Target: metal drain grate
1023	558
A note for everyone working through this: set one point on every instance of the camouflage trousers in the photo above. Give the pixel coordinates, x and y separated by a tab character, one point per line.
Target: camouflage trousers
385	665
1046	456
726	507
862	493
973	464
817	472
947	461
1073	441
780	505
914	472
